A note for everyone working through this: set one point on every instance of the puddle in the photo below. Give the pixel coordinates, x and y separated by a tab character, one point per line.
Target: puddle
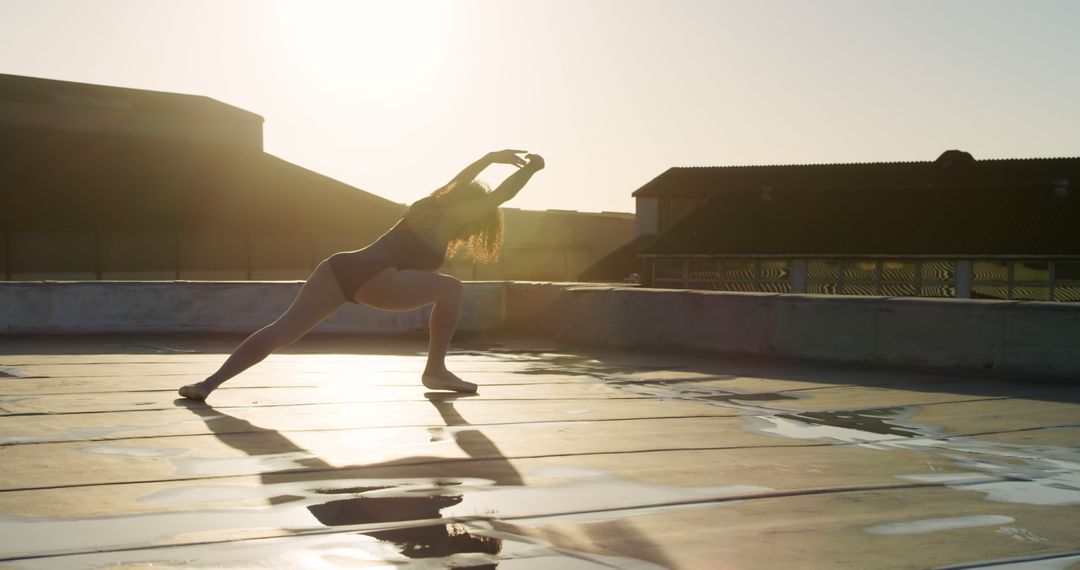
588	498
883	421
39	536
572	365
203	494
619	376
734	397
189	466
358	490
946	477
1021	534
1050	491
1003	472
1007	473
925	526
1031	475
378	520
693	390
211	466
1061	561
790	427
349	550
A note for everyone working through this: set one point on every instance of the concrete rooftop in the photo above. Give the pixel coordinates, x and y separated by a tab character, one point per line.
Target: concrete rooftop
331	455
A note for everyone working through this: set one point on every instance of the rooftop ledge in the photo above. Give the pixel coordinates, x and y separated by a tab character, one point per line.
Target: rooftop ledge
1013	338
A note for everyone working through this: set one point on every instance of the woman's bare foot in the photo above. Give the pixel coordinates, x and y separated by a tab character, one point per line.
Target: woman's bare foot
446	380
198	391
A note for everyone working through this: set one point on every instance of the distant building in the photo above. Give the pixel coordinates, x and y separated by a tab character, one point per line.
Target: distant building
101	182
549	245
954	227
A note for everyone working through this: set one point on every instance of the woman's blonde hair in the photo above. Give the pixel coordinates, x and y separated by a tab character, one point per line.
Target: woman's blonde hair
481	238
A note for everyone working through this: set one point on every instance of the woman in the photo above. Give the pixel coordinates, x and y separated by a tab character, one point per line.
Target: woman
398	272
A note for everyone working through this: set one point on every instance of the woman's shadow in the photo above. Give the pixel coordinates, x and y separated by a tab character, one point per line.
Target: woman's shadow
430	538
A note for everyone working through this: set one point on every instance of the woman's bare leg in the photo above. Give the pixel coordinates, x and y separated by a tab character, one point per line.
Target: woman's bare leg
318	298
405	290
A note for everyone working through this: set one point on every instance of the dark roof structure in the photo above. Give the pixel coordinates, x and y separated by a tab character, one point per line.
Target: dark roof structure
952	168
1034	218
953	206
55	92
76	155
71	180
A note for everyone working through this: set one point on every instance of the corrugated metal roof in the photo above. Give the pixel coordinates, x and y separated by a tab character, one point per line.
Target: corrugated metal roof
946	171
984	219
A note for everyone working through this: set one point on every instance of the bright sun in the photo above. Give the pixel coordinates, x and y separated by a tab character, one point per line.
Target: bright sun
394	44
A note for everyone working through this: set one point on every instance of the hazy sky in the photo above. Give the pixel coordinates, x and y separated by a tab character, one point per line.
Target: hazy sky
396	96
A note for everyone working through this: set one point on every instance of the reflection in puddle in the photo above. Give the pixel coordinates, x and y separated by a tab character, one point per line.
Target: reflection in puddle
363	510
423	541
884	421
787	426
388	520
344	550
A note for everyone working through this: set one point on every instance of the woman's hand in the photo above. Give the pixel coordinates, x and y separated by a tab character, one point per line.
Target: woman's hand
536	162
508	156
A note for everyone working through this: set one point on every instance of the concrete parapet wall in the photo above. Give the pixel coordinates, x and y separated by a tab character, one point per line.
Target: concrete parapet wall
533	306
203	306
1012	337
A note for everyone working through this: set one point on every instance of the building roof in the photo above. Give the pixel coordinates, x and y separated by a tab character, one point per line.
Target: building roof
951	168
75	180
987	217
70	93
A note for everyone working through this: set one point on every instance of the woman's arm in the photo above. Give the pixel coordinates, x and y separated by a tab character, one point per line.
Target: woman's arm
516	181
508	156
474	209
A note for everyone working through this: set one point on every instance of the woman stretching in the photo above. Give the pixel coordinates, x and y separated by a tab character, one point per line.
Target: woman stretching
397	272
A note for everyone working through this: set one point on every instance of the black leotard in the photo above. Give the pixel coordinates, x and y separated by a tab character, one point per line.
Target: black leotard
402	247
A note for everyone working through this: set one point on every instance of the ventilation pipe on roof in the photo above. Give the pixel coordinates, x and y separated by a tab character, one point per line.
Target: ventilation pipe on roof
1061	187
766	193
953	159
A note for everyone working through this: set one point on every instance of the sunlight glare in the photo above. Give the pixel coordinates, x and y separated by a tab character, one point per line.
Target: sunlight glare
380	46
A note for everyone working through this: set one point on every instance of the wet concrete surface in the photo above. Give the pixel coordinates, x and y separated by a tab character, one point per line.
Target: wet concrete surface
331	455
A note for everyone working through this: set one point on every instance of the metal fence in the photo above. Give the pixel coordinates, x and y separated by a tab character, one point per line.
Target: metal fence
1034	279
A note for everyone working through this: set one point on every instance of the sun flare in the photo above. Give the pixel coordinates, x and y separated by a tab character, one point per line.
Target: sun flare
394	45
